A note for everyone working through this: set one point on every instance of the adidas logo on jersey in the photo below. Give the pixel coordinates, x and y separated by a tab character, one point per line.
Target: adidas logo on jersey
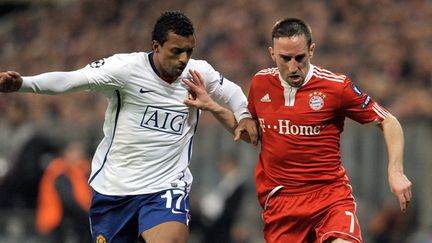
266	98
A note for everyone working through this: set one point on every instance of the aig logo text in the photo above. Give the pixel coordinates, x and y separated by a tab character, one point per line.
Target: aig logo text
164	120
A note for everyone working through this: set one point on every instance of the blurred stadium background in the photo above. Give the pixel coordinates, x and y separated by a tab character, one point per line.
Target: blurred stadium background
385	47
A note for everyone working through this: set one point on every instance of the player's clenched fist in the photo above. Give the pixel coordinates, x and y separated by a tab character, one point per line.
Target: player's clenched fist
10	81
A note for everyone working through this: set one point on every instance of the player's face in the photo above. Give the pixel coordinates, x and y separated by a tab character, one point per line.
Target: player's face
172	57
292	56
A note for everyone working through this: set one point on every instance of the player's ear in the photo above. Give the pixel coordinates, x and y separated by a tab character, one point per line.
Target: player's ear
155	46
311	49
271	51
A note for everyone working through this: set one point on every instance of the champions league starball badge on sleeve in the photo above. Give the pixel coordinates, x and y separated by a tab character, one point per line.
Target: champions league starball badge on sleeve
97	64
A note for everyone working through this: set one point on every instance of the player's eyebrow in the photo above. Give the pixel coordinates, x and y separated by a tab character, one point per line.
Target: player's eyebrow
177	50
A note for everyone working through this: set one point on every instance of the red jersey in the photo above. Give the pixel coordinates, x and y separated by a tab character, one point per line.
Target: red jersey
301	127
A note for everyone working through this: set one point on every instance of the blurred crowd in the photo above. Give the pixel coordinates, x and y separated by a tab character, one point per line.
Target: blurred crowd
384	46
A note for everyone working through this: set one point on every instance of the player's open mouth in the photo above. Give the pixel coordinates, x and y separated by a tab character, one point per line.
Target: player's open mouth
296	78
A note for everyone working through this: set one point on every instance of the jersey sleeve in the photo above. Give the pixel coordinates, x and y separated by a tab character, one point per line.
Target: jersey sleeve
251	102
359	106
107	73
224	91
55	83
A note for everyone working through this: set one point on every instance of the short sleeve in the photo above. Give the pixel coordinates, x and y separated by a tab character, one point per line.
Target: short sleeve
359	106
251	102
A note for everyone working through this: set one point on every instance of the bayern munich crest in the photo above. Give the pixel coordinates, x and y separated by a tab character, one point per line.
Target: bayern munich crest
316	101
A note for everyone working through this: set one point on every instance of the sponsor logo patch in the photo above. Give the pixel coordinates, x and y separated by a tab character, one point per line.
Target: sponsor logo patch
287	128
164	120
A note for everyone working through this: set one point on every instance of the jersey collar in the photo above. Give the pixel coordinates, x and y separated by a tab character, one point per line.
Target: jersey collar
166	79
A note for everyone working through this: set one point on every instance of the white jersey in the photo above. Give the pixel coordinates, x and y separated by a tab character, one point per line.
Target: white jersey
148	130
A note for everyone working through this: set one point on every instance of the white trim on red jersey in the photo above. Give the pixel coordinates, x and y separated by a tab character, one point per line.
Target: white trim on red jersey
326	74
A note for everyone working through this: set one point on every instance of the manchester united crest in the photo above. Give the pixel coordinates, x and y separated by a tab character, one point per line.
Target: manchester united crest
100	239
316	101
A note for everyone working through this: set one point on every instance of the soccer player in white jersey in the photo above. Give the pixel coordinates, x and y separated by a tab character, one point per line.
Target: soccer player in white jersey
140	176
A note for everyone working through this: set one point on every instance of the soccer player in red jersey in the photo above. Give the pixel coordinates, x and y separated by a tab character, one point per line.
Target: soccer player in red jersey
301	108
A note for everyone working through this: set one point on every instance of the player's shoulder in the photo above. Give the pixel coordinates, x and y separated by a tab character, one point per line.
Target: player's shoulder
264	76
327	75
132	57
273	71
118	60
199	65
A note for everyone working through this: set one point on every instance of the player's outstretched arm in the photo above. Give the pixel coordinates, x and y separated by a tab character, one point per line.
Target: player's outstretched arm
10	81
399	184
45	83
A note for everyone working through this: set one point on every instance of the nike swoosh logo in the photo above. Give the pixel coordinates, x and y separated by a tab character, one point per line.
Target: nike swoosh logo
142	91
176	212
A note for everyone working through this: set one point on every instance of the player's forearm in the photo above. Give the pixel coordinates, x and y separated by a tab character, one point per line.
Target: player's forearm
394	139
55	82
224	116
237	102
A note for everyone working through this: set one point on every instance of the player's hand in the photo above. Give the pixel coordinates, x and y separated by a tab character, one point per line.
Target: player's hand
10	81
198	96
400	186
247	130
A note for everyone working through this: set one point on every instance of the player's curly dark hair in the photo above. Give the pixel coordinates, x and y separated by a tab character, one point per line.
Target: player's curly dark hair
289	27
172	21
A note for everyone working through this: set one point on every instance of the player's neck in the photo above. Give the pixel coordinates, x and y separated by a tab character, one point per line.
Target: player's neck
167	79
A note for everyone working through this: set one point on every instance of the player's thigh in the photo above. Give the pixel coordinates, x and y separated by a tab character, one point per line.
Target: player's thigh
287	219
113	218
168	232
166	218
340	219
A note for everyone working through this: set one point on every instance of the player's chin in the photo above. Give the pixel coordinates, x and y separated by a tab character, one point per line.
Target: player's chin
178	71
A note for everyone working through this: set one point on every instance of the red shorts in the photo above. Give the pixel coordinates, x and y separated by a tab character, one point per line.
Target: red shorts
313	216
